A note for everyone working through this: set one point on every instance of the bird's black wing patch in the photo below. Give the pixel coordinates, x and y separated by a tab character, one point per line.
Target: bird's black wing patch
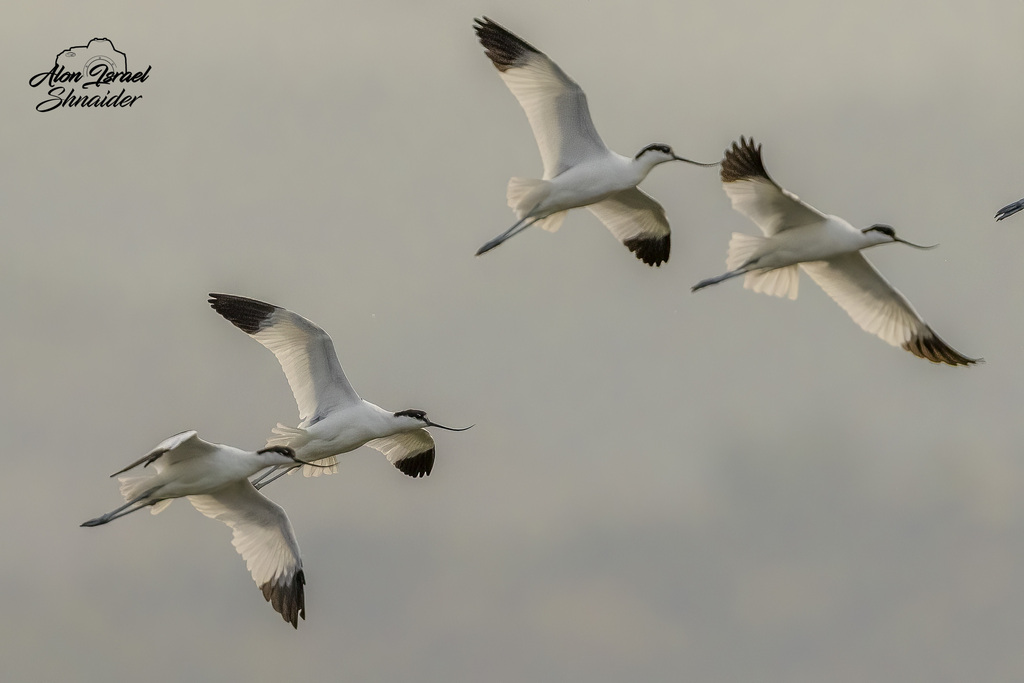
289	599
930	346
505	49
744	161
245	314
651	250
418	465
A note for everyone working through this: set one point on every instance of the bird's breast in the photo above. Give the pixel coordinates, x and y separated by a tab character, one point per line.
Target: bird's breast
818	242
341	432
588	183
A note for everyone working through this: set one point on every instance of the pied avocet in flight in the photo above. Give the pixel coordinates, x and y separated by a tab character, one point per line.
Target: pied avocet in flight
1009	209
334	420
215	478
579	170
827	248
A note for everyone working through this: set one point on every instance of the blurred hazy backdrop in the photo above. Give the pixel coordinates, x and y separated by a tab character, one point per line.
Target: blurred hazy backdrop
661	486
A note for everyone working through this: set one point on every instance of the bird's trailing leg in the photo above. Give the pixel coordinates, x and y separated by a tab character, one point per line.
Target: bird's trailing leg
271	474
721	278
1010	209
262	480
519	226
131	506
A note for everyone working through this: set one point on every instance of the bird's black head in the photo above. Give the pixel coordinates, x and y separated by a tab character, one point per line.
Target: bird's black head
421	415
887	230
655	147
286	451
882	228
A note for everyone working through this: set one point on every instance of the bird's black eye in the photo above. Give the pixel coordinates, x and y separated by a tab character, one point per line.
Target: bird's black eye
884	229
415	414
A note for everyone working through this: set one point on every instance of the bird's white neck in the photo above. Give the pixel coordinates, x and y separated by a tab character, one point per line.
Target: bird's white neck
873	237
642	166
388	423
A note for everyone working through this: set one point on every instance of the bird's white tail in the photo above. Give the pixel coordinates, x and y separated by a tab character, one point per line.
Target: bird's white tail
310	471
776	282
742	248
524	194
135	486
293	437
553	222
296	438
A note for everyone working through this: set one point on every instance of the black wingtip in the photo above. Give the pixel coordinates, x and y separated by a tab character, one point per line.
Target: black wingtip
245	314
930	346
504	48
743	161
289	599
651	250
419	465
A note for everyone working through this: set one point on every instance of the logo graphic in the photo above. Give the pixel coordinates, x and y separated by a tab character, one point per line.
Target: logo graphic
79	73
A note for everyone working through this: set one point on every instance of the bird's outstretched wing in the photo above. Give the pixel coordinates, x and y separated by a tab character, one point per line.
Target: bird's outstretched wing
411	452
879	308
639	222
755	195
305	351
173	449
263	536
555	105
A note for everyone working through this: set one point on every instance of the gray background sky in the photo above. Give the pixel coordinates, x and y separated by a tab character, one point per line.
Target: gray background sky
660	486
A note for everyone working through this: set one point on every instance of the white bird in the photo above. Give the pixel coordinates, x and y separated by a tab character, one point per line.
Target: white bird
579	170
1010	209
334	420
827	248
215	478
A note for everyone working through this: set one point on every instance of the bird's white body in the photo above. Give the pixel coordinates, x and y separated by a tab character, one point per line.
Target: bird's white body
798	236
223	466
333	418
821	241
593	180
215	479
341	431
579	169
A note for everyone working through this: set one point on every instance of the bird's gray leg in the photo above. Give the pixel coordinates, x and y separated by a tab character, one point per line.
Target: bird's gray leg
263	475
518	227
284	469
1010	209
139	502
715	280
